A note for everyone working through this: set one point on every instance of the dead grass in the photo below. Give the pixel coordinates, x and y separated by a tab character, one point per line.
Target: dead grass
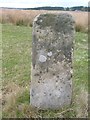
25	17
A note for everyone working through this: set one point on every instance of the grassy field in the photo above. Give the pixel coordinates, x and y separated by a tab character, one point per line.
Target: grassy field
16	75
26	17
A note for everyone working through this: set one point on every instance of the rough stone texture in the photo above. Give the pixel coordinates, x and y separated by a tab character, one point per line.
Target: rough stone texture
52	48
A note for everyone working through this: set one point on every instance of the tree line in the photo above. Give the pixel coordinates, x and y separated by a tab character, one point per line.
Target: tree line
77	8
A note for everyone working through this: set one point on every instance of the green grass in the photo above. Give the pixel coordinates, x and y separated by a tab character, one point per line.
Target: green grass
16	75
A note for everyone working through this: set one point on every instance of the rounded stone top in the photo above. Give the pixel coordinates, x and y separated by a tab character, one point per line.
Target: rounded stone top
58	22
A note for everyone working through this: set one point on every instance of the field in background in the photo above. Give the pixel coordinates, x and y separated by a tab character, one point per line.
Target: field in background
16	75
25	17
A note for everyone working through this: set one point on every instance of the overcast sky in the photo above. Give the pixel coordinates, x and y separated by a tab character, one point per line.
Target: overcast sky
40	3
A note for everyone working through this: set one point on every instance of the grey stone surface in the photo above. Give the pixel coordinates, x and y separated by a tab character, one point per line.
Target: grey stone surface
51	70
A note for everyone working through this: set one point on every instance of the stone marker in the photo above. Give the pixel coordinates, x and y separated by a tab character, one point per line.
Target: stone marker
51	71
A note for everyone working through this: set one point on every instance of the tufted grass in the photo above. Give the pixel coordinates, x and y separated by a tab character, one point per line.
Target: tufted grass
16	76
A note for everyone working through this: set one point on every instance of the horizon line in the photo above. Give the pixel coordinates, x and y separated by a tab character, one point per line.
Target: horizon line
47	6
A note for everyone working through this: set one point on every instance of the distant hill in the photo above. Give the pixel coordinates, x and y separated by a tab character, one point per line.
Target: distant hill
76	8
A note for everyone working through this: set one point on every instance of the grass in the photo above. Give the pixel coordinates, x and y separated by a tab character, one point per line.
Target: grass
16	63
16	76
0	71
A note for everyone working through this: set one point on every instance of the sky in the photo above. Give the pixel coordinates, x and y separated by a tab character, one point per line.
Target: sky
40	3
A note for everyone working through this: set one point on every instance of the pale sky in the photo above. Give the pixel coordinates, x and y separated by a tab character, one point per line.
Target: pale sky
40	3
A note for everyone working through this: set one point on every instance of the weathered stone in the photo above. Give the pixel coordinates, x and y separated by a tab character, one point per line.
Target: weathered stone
52	48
